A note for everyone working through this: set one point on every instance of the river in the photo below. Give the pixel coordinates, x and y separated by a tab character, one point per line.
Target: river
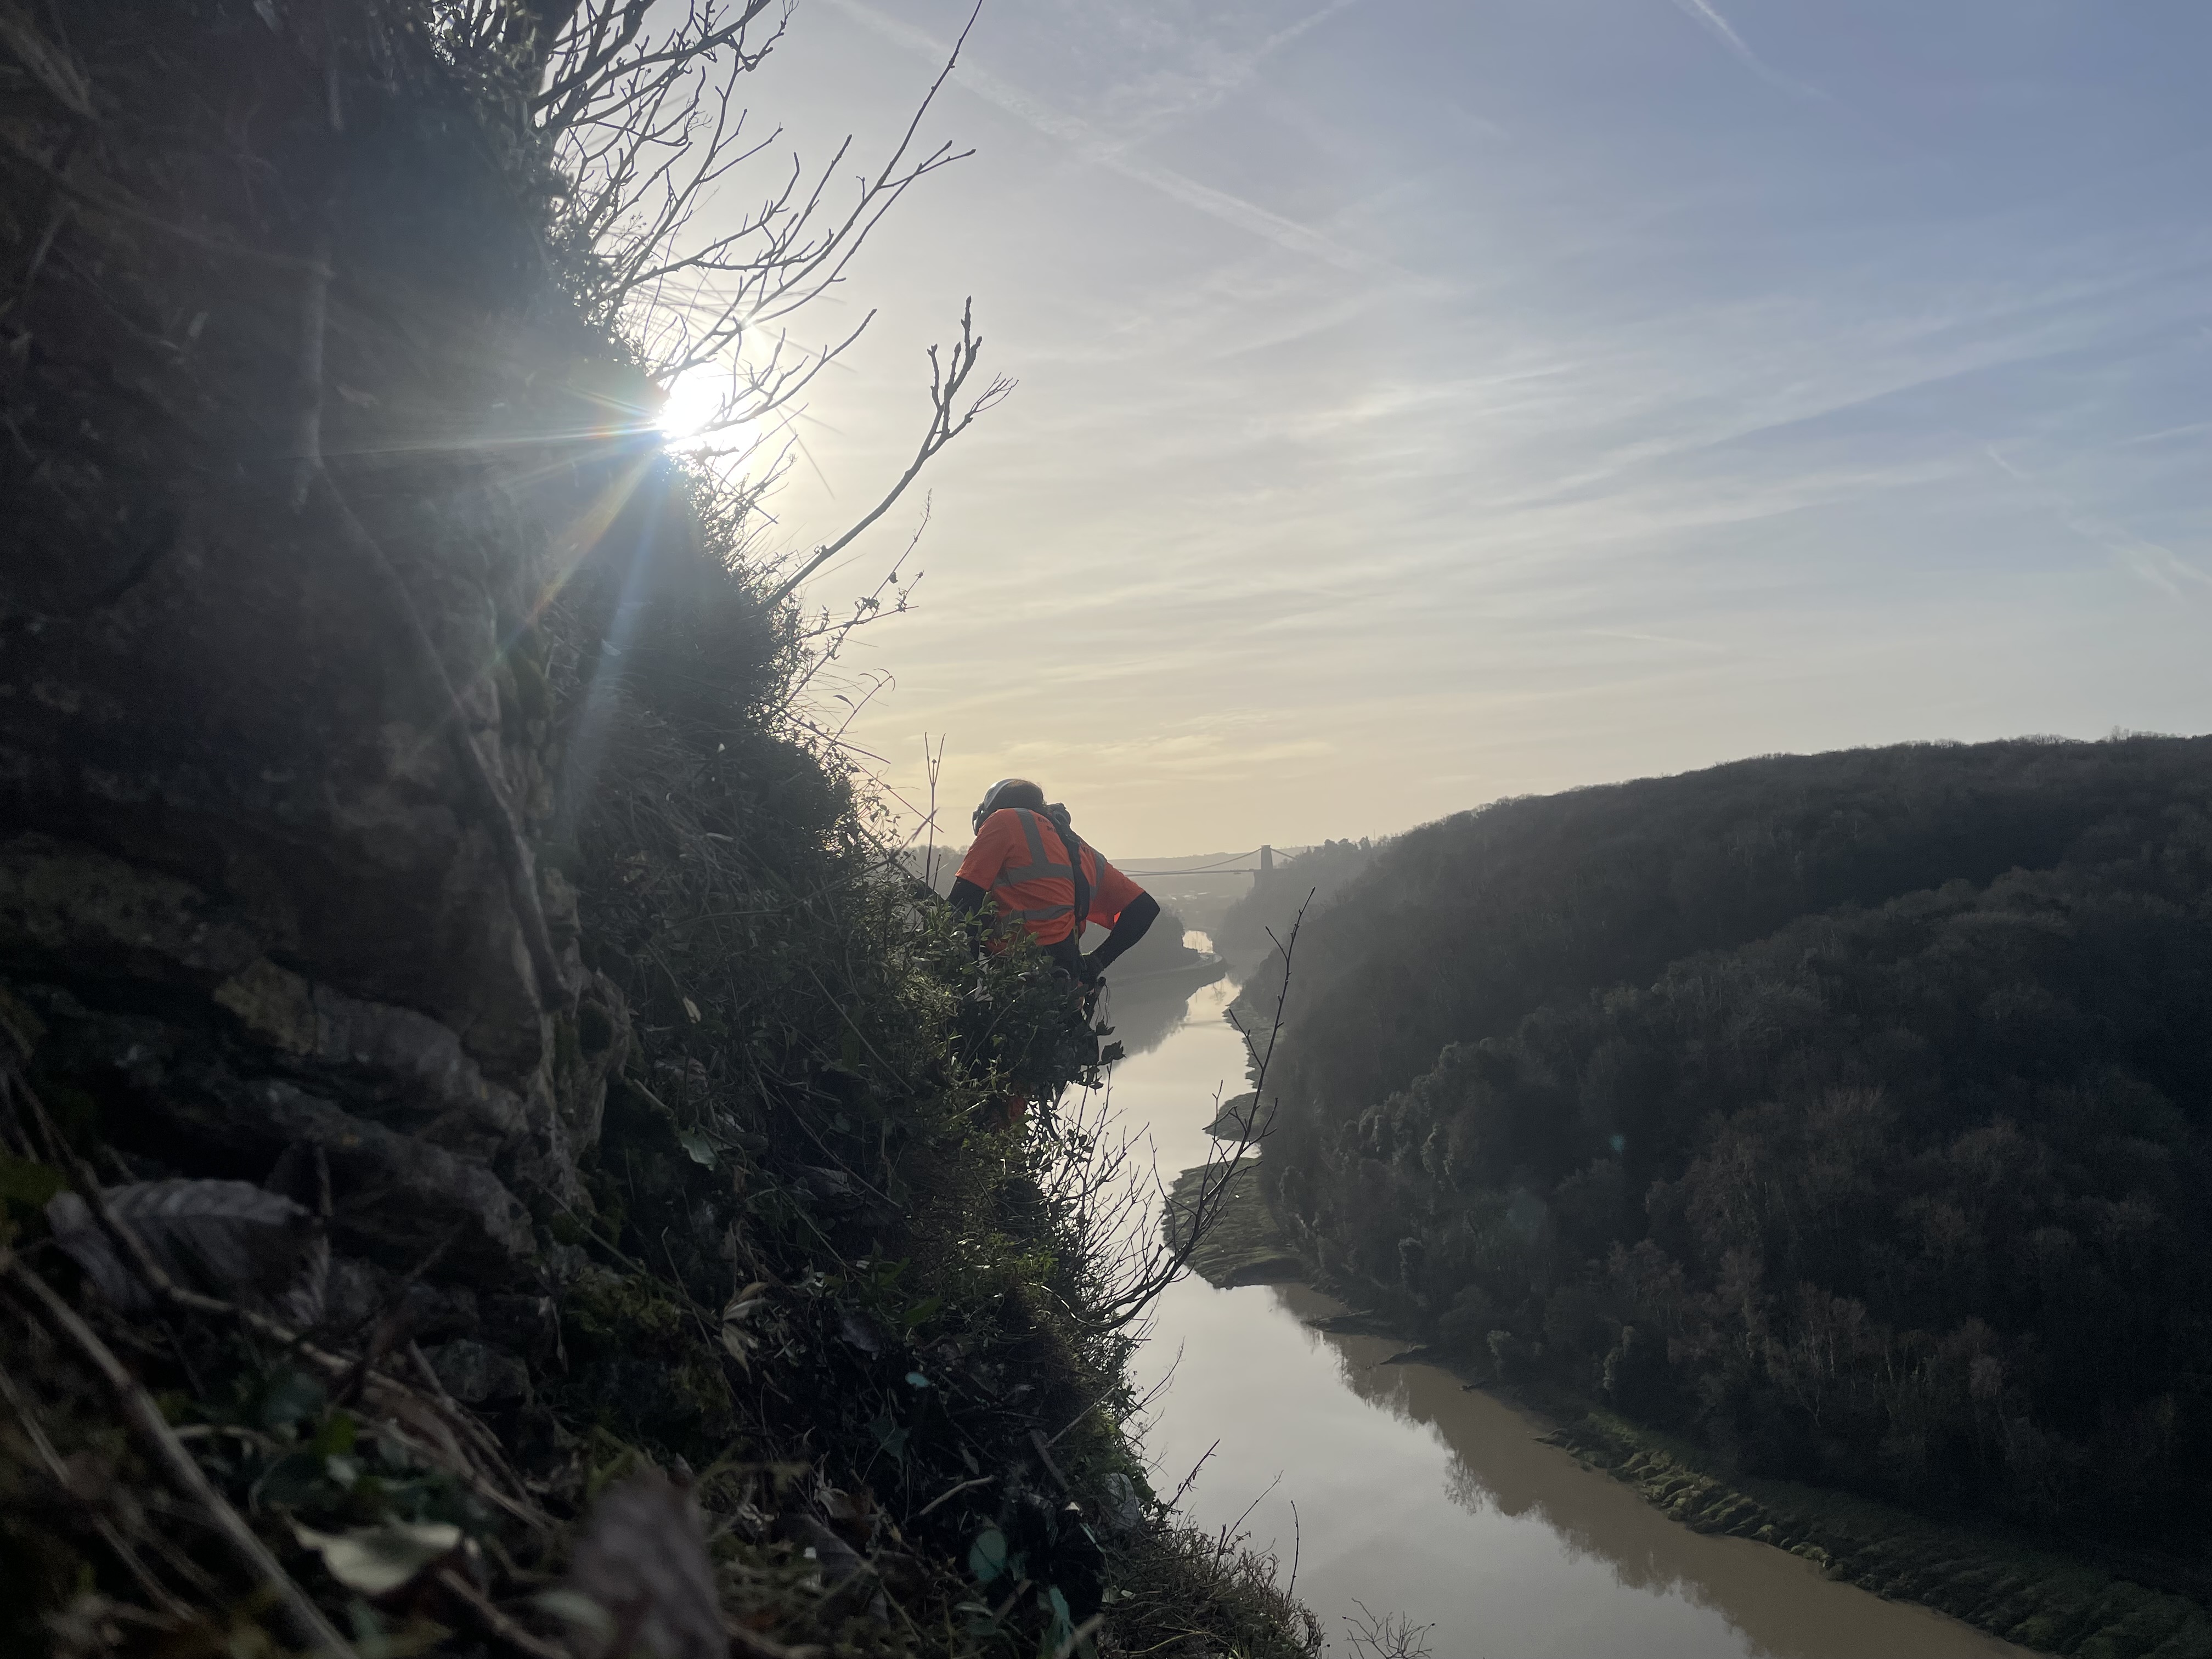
1414	1496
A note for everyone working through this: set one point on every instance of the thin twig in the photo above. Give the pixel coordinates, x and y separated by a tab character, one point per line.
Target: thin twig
389	1323
1044	1451
951	1492
495	1624
155	1591
1084	1412
1191	1480
1189	1225
307	1619
945	387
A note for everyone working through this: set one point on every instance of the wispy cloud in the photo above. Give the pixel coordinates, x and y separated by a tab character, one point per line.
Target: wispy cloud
1106	151
1701	13
2152	562
1177	93
1679	455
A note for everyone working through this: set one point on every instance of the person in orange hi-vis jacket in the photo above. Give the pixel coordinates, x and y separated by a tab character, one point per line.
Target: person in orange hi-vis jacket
1030	865
1029	862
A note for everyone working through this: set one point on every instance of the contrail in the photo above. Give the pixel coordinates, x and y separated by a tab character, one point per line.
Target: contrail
1239	67
2152	562
1230	74
1702	13
1093	146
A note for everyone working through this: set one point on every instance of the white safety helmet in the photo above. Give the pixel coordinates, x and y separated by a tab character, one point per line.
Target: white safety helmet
989	804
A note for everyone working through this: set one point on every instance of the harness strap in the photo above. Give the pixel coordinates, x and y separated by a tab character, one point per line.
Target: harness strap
1073	843
1040	868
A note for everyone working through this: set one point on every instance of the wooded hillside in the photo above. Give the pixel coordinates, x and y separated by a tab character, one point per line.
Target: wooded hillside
1850	1111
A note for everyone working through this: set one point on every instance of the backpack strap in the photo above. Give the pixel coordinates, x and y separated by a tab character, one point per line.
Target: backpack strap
1073	842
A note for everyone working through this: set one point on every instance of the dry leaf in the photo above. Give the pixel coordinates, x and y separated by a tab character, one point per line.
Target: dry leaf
862	1332
745	1304
736	1311
224	1238
376	1560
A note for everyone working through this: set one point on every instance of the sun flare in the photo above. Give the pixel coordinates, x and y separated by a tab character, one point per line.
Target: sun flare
702	410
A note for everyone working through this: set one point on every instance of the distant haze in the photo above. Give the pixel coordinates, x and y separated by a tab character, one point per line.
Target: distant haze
1423	403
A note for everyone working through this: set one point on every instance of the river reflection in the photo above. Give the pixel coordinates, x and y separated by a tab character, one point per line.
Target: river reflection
1394	1485
1143	1018
1145	1012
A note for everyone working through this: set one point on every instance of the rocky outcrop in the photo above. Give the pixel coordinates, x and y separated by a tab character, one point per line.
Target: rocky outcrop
149	1004
277	748
240	722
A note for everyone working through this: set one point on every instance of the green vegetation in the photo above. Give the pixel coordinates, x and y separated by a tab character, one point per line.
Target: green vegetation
1847	1114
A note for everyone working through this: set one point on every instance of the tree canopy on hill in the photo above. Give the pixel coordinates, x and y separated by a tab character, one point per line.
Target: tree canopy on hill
1848	1111
1458	929
1310	881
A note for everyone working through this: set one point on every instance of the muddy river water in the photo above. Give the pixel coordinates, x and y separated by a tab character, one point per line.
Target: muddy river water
1396	1488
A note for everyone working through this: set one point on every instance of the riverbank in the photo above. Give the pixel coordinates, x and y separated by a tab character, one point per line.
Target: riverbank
2035	1597
1184	978
2032	1596
1242	1246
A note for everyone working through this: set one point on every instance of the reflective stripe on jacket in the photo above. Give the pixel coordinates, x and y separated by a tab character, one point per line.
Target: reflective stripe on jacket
1021	860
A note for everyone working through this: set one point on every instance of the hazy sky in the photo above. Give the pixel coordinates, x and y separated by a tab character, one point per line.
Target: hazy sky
1424	403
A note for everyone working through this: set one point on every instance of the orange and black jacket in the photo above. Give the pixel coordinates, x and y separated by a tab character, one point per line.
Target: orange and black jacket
1019	863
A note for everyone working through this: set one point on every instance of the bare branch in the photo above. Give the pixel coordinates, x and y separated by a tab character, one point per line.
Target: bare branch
143	1415
1385	1635
1138	1239
647	123
947	382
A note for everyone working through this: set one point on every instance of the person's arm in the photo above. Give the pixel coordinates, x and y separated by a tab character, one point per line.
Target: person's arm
969	902
1136	917
970	896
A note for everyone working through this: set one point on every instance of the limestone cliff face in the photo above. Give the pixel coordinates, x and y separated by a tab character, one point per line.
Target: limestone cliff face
245	899
348	614
285	503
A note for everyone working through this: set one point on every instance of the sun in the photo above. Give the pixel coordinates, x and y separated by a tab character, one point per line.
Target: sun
699	410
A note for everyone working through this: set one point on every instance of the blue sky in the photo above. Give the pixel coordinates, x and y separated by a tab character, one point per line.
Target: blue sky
1424	403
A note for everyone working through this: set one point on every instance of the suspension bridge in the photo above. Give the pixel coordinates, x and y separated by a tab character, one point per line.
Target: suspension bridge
1228	866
